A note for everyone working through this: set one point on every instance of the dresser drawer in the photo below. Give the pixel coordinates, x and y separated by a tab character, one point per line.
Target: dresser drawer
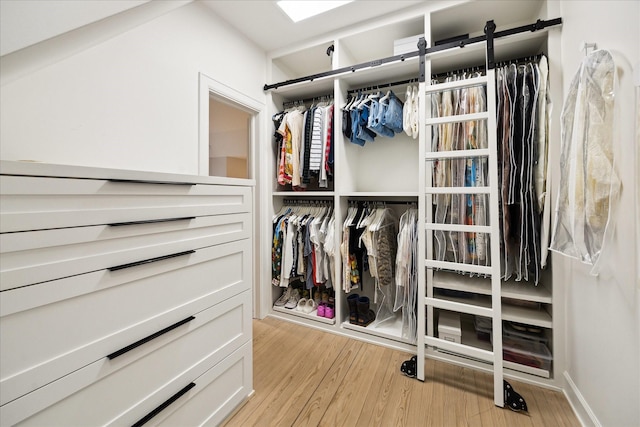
51	329
36	203
37	256
215	395
124	389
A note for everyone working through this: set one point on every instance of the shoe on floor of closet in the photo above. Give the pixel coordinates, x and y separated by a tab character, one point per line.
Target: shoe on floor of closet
352	300
309	306
321	309
329	312
286	294
302	303
365	315
293	299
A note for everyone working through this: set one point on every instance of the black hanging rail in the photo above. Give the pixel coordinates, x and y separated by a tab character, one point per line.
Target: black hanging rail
489	36
343	70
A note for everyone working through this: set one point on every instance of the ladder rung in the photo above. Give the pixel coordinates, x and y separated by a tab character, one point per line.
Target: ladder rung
456	119
465	350
458	266
477	152
476	81
463	228
457	190
459	307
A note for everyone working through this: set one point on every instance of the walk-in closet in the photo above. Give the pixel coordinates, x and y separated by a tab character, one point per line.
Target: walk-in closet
389	213
381	192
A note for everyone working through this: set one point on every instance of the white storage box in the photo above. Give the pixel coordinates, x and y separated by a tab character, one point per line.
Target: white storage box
449	326
406	45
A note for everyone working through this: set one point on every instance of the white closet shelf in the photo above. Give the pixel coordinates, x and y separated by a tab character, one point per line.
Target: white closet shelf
470	339
510	369
312	316
302	194
382	73
319	87
390	329
510	312
479	285
506	48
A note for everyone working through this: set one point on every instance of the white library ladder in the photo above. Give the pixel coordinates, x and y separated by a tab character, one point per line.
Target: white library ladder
427	301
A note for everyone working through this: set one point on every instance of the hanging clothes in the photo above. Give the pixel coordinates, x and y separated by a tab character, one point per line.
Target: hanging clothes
589	185
375	242
406	276
302	246
523	108
304	138
367	116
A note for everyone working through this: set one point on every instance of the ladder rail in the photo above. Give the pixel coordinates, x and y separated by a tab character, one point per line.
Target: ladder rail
494	220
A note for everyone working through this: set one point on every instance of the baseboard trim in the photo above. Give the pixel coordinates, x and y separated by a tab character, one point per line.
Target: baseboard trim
579	404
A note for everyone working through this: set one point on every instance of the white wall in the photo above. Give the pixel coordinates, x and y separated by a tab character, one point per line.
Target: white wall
603	313
128	102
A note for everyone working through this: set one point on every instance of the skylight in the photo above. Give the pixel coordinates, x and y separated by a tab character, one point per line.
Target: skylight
298	10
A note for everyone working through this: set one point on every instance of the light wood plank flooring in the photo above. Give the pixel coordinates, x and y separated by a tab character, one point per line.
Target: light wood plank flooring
305	377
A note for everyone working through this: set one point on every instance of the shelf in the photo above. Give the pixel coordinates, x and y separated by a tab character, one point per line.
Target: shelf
390	329
378	42
312	316
472	17
304	62
384	73
305	90
470	338
512	313
478	285
473	55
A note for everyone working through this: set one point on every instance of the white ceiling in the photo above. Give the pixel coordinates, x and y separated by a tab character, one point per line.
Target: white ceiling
27	22
264	23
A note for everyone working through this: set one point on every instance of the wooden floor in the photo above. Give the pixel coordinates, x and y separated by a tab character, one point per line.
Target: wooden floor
304	377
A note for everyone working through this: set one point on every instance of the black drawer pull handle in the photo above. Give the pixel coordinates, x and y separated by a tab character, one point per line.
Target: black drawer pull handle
142	421
142	181
149	338
150	260
151	221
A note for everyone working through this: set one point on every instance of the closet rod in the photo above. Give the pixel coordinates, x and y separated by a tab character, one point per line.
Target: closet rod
538	25
473	69
481	68
382	202
520	60
307	202
303	101
382	85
